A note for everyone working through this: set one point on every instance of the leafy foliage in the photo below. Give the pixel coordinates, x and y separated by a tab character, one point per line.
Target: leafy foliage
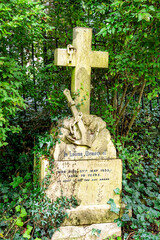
113	206
10	99
126	96
96	232
27	212
140	187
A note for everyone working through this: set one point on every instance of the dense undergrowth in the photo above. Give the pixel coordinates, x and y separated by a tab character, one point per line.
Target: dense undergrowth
27	213
141	177
126	96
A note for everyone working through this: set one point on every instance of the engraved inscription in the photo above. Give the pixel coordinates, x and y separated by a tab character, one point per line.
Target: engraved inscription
80	178
81	154
79	175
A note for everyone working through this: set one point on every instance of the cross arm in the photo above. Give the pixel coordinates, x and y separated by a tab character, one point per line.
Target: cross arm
62	58
99	59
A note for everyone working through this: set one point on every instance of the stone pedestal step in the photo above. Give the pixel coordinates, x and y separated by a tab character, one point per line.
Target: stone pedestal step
93	214
87	232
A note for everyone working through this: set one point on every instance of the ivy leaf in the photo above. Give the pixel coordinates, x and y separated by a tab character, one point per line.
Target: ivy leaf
144	16
128	189
125	217
119	238
16	181
96	232
27	232
140	210
19	222
119	222
23	212
152	8
27	176
18	208
113	206
117	191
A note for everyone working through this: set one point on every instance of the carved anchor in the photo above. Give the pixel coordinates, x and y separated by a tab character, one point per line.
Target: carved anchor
85	137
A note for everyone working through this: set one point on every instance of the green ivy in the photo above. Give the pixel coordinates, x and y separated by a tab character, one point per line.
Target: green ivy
25	215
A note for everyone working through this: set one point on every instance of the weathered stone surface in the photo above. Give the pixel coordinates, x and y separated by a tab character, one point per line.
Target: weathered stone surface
86	215
44	165
80	56
91	181
89	173
90	176
85	232
100	140
85	160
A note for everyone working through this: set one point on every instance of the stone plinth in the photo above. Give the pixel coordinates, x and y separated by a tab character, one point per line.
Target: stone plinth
92	182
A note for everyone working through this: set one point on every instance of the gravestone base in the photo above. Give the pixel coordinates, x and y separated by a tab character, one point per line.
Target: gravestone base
92	181
91	175
85	232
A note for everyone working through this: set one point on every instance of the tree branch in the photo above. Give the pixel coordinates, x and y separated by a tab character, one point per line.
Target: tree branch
122	99
137	110
126	104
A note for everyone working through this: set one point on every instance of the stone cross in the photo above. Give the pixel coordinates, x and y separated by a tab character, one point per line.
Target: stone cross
80	56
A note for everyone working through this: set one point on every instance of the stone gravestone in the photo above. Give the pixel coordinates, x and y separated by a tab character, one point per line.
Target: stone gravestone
85	164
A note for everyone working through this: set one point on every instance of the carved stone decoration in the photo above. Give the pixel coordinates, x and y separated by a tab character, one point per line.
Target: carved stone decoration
82	134
84	138
100	140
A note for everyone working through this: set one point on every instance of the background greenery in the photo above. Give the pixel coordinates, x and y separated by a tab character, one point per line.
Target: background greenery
126	96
